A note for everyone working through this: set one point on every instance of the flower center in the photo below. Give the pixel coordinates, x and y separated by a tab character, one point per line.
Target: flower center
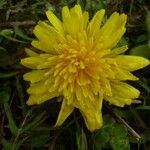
78	64
76	60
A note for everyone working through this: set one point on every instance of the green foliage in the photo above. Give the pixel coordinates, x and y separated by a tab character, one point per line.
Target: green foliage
119	140
81	140
112	135
7	145
39	137
142	50
2	3
24	127
5	92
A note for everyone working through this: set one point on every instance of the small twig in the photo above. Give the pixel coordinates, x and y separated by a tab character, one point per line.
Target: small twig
20	129
17	23
134	133
135	113
130	129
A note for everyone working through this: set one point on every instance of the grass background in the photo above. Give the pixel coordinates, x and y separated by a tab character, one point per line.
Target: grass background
31	128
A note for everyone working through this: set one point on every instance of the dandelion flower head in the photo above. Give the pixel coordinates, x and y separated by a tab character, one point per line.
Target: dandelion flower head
77	59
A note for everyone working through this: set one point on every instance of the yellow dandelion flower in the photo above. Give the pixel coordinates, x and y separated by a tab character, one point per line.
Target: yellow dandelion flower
78	60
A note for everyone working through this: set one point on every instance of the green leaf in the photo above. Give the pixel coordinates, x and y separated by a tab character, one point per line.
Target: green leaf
2	48
108	121
144	85
4	96
7	145
122	42
102	138
141	38
81	140
8	75
11	122
119	139
21	96
148	21
142	50
21	34
119	130
14	39
2	3
143	107
7	32
112	135
39	138
35	122
118	143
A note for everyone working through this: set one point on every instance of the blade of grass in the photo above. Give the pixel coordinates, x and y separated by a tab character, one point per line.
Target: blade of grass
11	123
21	96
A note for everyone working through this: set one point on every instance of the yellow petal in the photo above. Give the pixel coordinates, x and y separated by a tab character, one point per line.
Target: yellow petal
122	74
71	20
114	23
85	20
132	63
121	21
31	62
65	111
114	38
48	28
39	62
122	94
38	88
119	101
65	13
119	50
29	52
39	45
79	95
38	99
92	114
105	85
109	25
112	31
34	76
47	37
125	90
76	10
95	23
55	21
